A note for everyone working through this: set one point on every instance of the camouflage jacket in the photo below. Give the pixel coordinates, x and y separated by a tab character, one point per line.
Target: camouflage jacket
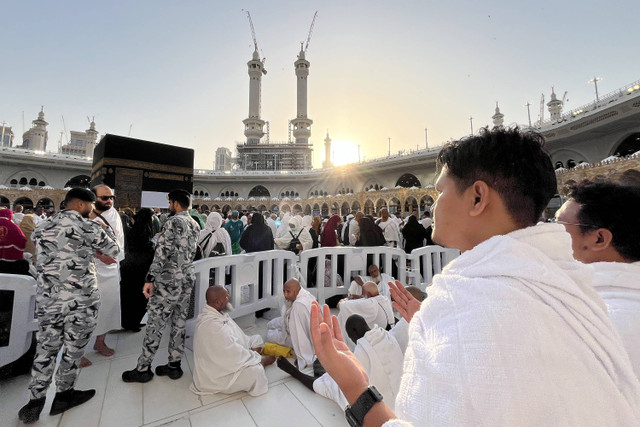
175	249
65	251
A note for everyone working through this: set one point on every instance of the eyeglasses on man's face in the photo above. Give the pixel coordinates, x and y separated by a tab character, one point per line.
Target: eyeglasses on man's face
105	198
557	221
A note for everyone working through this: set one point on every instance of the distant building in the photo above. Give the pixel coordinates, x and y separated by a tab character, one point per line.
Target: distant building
81	143
35	139
6	136
223	159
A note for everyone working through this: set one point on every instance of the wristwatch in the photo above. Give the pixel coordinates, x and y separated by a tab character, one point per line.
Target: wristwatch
150	278
355	414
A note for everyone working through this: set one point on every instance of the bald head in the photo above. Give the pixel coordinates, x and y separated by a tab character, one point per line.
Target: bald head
291	289
416	292
370	289
217	297
356	327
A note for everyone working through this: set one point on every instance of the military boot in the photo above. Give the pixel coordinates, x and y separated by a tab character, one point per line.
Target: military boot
30	413
173	370
69	399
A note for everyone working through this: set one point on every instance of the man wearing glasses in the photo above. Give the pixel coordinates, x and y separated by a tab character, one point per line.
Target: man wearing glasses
107	271
602	219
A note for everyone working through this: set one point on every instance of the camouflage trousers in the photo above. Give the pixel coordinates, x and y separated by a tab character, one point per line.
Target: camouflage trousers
66	320
166	304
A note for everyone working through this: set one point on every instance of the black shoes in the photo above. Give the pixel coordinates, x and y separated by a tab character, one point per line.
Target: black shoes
172	370
69	399
135	376
30	413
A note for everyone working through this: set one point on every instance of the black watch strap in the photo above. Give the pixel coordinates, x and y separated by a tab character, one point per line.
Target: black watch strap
355	414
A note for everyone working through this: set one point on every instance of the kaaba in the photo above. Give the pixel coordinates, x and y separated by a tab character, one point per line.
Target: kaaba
132	166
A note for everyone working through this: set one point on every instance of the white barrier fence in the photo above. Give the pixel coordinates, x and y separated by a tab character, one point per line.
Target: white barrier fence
22	321
255	281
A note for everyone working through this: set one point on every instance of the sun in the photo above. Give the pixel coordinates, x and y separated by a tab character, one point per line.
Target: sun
343	152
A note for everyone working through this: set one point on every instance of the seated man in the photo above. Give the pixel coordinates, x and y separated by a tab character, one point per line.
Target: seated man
602	219
380	279
512	332
292	329
226	359
374	308
378	352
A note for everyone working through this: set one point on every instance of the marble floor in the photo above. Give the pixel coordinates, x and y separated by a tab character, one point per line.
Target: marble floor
165	402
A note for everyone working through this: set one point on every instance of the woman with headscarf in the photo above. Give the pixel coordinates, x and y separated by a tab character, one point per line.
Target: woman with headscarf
307	222
296	230
257	236
414	234
27	226
316	226
370	234
12	244
283	228
329	238
138	255
214	235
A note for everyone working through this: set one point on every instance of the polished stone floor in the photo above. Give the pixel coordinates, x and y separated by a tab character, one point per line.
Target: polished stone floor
164	402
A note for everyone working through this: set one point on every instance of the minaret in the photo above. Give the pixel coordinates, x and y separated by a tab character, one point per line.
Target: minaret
253	125
38	134
498	118
92	138
555	106
327	153
302	124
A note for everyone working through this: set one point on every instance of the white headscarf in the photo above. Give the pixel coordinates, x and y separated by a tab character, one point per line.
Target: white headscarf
284	225
306	221
213	225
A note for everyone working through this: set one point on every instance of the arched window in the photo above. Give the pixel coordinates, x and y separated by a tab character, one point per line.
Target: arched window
408	180
78	181
23	181
629	145
259	191
571	163
33	181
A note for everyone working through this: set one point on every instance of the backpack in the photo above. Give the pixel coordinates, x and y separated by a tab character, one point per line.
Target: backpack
217	250
293	245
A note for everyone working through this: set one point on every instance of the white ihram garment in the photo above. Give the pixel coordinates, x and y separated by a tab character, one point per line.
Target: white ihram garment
619	286
513	333
293	330
383	285
381	357
375	311
223	359
108	279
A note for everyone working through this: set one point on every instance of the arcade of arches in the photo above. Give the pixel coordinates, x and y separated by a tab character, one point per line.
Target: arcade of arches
405	199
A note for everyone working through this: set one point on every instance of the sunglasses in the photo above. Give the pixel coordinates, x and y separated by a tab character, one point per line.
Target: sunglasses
105	198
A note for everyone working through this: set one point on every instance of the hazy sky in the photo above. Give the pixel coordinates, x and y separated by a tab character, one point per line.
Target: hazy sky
176	70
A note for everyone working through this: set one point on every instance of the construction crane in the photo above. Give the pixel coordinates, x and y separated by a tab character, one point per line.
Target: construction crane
313	22
64	126
564	97
542	109
255	42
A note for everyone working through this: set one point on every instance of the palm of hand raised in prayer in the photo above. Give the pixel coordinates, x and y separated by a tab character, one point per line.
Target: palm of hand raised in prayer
334	355
403	301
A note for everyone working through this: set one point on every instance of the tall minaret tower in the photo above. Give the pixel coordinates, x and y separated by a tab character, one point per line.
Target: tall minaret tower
92	138
327	153
498	118
555	106
302	124
37	135
253	125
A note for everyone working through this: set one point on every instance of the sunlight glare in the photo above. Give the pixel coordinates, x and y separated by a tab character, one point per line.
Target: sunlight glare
344	152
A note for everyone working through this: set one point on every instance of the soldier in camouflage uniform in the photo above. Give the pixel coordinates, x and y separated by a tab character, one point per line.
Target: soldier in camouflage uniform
169	284
67	300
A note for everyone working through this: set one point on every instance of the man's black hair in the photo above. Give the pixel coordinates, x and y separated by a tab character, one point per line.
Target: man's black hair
614	207
356	327
511	162
80	194
182	197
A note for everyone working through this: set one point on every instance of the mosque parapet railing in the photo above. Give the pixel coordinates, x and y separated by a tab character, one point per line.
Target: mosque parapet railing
617	169
631	90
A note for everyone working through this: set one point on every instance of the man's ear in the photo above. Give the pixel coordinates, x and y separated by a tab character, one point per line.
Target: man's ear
602	239
479	194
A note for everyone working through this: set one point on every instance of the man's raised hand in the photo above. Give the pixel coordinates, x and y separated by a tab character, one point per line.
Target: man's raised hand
403	301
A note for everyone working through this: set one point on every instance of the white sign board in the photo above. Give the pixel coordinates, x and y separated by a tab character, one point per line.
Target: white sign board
154	199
